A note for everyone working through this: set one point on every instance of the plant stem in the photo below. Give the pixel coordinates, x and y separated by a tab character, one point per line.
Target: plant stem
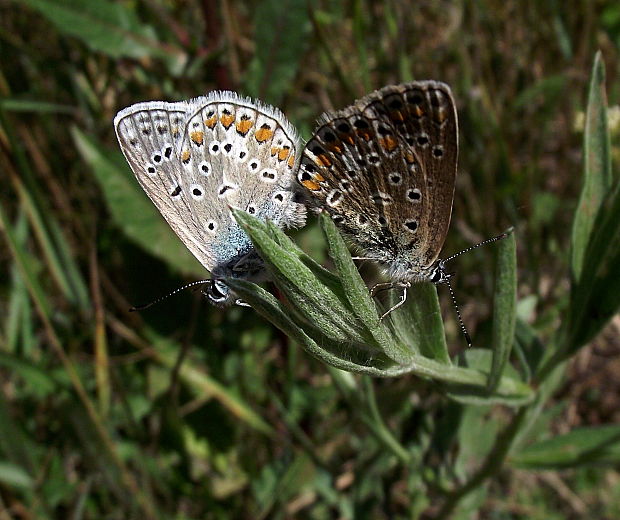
493	463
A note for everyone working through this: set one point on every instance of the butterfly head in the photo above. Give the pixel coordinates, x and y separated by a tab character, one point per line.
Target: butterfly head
411	271
438	274
218	293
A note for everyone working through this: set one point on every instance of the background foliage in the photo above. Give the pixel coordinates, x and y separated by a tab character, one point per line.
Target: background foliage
187	411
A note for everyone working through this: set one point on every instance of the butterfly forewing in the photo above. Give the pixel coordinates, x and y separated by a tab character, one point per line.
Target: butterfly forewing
431	125
196	159
150	134
395	151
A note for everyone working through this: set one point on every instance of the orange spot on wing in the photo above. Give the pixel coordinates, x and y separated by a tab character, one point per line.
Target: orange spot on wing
335	147
409	157
211	122
311	185
243	126
318	177
227	120
324	160
263	134
388	143
397	115
441	115
364	134
291	160
284	153
185	155
417	111
349	139
197	137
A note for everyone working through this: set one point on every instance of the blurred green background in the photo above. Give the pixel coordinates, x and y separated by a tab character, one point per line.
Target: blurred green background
188	411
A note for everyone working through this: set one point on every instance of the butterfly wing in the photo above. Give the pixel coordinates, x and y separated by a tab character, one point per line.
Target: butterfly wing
196	159
385	168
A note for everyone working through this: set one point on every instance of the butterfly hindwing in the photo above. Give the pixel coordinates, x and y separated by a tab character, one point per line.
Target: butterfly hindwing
384	168
196	159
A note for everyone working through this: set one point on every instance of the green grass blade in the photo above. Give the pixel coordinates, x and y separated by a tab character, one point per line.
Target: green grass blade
35	106
583	446
357	293
56	251
504	308
314	301
15	445
204	386
24	263
509	391
418	322
324	275
108	27
15	476
597	176
597	296
18	315
282	28
267	306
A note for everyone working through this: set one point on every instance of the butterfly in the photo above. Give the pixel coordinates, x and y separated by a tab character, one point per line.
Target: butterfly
384	169
199	158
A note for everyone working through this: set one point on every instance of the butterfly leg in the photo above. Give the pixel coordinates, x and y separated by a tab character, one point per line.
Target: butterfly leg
391	285
363	258
381	287
403	298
